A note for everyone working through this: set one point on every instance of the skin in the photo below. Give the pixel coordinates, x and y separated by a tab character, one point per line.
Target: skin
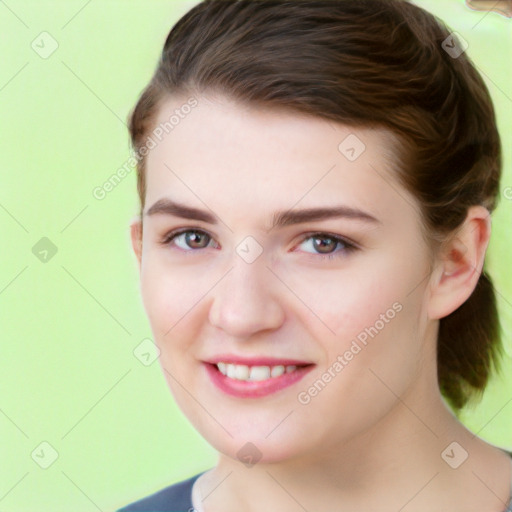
372	438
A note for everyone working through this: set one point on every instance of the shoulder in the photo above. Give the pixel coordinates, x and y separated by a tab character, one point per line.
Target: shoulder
175	498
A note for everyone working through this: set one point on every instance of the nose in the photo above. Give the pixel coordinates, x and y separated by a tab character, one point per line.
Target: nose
247	301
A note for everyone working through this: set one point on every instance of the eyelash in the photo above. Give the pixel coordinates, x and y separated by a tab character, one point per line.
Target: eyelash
349	246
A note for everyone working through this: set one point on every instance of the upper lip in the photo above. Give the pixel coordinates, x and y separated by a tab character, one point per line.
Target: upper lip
256	361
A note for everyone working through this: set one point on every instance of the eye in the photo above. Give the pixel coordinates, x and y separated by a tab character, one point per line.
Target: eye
188	240
328	246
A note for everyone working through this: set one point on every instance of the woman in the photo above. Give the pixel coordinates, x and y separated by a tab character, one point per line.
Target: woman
316	180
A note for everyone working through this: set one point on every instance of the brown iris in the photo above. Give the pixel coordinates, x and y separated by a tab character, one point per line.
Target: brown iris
324	244
193	239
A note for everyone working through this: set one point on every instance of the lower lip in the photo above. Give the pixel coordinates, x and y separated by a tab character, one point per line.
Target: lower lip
255	389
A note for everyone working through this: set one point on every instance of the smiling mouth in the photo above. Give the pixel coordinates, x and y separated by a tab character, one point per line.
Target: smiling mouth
254	381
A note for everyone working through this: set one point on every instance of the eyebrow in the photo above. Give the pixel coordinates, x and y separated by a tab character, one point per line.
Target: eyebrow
280	218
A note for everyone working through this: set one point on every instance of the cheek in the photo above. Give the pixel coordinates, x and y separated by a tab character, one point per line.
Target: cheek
374	356
345	301
369	312
170	300
167	300
170	292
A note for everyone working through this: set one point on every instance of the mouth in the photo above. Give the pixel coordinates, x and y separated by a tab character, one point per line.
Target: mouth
254	379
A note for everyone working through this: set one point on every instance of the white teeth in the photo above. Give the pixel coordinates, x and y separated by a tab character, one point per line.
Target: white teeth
231	370
260	373
253	373
241	372
276	371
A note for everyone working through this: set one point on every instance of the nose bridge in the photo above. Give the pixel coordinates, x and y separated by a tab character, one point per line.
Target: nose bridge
245	301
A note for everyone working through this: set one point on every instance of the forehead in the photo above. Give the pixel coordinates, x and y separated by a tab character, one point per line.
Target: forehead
253	158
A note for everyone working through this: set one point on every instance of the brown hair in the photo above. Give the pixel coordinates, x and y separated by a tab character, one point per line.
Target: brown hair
367	63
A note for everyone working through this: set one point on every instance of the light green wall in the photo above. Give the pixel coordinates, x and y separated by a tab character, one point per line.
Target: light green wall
69	325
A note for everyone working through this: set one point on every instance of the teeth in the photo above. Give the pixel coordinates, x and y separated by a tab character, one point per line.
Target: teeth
253	373
231	370
259	372
241	372
276	371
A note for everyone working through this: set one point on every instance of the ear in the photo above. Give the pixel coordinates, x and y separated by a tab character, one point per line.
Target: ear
136	238
460	263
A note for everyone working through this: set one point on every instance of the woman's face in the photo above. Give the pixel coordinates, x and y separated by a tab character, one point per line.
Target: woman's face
343	292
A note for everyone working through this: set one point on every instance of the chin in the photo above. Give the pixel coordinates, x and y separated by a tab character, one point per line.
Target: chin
250	447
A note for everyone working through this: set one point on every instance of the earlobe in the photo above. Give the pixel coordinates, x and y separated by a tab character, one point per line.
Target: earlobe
136	239
460	264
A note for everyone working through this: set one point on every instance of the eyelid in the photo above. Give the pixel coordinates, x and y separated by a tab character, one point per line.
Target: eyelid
326	234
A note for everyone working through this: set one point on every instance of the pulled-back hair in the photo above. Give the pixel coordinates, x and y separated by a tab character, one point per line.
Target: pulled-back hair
364	63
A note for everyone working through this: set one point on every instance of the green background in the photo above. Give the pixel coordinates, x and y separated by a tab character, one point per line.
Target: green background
70	324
